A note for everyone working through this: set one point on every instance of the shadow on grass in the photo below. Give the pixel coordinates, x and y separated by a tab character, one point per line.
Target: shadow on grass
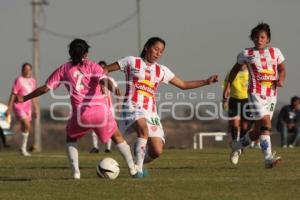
7	179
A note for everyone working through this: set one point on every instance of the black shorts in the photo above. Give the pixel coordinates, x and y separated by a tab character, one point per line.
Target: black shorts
236	107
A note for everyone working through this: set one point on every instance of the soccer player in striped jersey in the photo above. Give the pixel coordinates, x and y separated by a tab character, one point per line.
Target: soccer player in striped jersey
267	72
143	76
82	78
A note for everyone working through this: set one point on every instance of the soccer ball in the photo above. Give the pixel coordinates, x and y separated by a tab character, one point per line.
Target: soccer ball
108	168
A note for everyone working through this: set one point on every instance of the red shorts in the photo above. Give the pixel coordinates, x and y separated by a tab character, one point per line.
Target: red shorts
96	118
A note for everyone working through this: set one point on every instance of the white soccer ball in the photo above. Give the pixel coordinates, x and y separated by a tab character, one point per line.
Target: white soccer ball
108	168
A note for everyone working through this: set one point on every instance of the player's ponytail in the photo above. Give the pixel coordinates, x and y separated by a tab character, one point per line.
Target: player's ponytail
77	49
152	41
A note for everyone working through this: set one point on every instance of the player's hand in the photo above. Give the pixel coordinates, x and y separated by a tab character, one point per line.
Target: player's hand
19	99
280	83
212	79
226	93
7	114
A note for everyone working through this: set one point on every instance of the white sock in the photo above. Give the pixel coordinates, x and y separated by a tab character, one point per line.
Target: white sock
265	143
24	140
108	145
124	149
72	153
95	140
140	150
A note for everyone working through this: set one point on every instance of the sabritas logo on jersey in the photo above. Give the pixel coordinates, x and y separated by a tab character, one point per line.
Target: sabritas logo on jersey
145	88
266	77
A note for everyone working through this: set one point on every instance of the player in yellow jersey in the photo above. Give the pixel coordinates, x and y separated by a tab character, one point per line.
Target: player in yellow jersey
237	104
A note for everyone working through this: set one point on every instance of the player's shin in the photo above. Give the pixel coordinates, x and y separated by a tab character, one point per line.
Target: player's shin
140	150
72	153
124	149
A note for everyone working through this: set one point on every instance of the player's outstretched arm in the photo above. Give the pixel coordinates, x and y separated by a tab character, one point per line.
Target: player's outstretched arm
112	67
36	93
185	85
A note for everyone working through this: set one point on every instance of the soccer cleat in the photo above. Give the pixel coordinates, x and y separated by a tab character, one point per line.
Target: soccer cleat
25	153
107	151
236	147
234	156
143	174
76	175
273	161
291	146
94	150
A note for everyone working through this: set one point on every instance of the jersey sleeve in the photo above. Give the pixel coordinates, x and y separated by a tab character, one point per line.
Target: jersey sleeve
126	62
280	57
241	58
16	86
55	79
168	74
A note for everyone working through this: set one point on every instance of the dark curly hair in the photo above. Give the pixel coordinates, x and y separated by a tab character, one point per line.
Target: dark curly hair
77	49
261	27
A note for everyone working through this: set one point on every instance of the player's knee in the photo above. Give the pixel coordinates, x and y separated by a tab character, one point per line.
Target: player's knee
265	129
155	153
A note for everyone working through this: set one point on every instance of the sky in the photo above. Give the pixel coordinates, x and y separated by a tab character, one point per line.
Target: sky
203	37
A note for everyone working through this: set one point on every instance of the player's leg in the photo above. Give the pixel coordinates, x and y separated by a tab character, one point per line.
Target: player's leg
141	128
108	146
265	142
74	132
124	149
25	128
154	149
95	148
72	153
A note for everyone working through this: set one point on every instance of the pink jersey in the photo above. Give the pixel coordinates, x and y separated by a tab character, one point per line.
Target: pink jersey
142	81
23	86
82	82
262	65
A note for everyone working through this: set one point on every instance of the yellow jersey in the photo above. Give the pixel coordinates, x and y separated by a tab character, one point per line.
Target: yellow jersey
239	86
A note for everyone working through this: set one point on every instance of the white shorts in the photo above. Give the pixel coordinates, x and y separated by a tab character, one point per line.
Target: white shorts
262	105
131	114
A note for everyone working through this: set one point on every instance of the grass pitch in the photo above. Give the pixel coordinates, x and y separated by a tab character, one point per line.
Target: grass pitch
178	174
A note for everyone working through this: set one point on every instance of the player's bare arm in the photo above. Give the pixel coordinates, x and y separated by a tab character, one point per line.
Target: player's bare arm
11	100
281	74
234	71
37	92
112	67
185	85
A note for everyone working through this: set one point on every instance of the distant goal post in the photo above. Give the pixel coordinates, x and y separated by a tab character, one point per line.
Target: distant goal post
198	138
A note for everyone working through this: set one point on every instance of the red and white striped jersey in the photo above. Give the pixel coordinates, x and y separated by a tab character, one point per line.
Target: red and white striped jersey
142	81
262	65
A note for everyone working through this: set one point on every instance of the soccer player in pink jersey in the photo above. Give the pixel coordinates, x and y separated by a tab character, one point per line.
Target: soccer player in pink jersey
143	76
109	102
267	72
81	78
23	85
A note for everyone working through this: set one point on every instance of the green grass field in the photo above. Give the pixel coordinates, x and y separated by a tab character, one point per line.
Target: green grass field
178	174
